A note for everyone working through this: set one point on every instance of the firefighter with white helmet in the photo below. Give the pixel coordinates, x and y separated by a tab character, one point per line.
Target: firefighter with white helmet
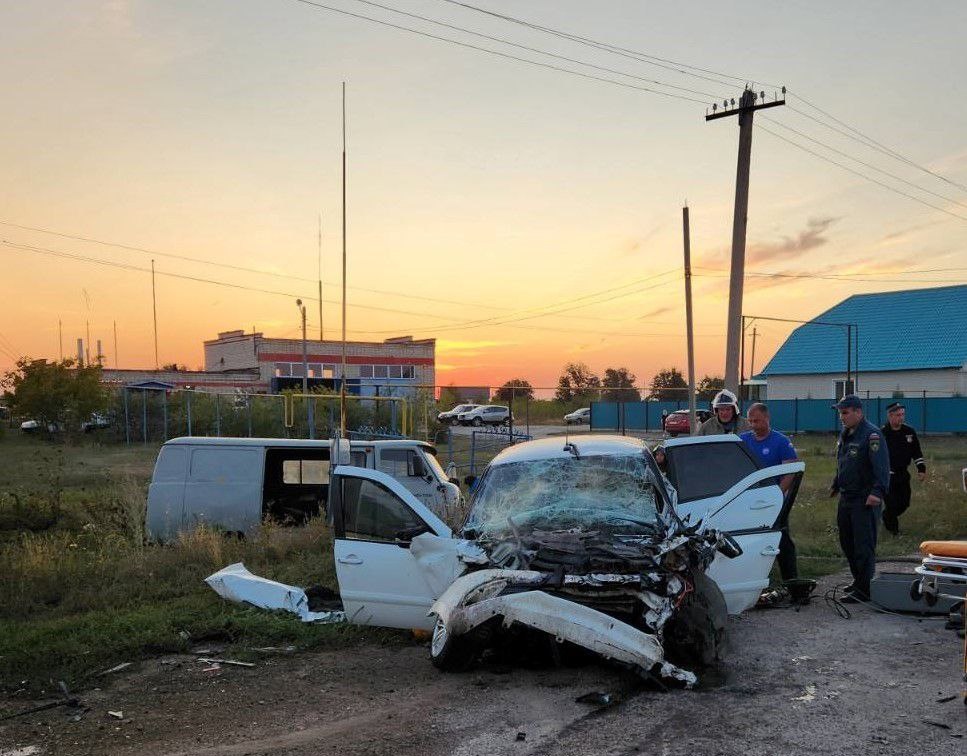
725	416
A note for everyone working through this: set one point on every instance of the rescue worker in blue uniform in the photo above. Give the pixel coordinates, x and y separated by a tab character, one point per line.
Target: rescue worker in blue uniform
862	481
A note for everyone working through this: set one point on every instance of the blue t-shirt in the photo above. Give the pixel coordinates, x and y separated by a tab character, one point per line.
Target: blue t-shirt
774	449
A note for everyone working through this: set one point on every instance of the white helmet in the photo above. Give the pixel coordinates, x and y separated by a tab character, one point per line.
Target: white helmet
725	398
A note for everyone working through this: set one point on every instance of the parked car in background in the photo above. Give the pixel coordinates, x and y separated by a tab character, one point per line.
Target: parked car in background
97	421
578	417
452	417
677	422
34	426
487	414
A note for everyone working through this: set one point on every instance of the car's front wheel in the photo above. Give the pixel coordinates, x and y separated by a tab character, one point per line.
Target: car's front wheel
451	653
477	422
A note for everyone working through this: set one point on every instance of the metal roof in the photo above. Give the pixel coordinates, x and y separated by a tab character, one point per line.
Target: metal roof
918	329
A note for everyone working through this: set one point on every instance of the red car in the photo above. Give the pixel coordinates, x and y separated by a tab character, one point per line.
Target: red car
677	422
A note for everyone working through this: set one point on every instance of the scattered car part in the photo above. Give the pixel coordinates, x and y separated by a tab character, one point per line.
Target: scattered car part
236	583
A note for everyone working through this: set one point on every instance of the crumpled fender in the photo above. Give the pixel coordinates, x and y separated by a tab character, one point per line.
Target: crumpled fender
563	619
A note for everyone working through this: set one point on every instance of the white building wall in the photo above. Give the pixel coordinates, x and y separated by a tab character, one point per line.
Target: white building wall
233	350
879	384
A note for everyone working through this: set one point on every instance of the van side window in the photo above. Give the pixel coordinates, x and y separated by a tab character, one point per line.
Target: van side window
374	513
305	472
230	465
172	465
397	462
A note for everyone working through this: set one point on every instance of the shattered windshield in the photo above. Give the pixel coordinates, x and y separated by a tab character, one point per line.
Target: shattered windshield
616	493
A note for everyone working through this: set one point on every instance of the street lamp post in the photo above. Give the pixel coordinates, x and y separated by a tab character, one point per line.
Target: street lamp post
310	418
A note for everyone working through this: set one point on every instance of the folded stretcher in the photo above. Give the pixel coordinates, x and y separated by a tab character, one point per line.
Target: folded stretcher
946	560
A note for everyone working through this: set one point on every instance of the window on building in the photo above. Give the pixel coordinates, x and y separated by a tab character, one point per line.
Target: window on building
315	370
283	369
365	371
297	371
380	371
842	388
328	371
408	371
395	371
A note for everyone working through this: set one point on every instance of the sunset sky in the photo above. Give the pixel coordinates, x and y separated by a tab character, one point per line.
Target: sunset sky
523	216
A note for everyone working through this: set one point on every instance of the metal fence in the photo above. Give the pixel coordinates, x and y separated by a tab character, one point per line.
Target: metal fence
926	414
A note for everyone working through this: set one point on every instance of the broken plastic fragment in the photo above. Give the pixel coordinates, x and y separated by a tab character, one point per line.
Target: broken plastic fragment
236	583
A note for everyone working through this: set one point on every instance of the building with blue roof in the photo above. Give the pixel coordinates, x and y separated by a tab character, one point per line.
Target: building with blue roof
903	343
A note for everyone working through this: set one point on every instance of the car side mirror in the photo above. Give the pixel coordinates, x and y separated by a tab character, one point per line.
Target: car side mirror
729	547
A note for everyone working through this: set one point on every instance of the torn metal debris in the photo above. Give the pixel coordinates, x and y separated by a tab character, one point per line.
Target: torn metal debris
236	583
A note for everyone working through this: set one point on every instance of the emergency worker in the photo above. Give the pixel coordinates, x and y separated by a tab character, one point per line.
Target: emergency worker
904	447
862	480
725	416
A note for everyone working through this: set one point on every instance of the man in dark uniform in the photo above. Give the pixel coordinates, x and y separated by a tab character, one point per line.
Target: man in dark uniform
862	481
904	447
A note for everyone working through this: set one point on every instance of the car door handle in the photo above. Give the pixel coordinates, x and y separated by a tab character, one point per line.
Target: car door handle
770	551
349	559
761	504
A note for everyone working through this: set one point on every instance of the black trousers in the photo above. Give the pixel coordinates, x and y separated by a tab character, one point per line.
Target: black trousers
897	501
858	524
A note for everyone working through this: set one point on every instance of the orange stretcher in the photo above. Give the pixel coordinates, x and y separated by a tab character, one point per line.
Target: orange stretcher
949	560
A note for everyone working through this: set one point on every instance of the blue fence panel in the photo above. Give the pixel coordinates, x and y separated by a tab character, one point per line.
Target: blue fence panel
604	415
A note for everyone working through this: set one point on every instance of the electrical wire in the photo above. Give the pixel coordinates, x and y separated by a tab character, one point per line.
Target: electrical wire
498	53
864	163
870	142
534	49
665	63
830	277
860	174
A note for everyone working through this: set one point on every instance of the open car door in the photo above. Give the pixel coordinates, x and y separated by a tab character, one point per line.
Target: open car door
720	484
374	520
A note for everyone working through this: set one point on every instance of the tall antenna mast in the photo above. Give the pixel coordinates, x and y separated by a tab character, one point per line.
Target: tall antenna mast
342	383
154	309
321	331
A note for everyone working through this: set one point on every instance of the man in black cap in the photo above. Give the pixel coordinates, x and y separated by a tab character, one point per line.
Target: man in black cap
904	447
862	481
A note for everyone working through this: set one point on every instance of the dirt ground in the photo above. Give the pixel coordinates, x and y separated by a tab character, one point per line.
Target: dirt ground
796	682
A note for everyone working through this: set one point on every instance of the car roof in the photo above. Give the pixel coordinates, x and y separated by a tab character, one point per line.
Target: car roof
587	445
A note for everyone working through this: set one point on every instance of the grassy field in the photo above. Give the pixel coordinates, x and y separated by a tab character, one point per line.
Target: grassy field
81	591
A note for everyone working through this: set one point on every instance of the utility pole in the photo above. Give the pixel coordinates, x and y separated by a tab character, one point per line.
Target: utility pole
310	417
321	331
745	110
752	366
688	325
116	363
154	309
342	383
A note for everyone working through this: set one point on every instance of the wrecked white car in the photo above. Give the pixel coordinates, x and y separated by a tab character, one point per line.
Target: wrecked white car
581	541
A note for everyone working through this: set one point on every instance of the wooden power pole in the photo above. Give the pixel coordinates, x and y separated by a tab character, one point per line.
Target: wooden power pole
744	110
692	425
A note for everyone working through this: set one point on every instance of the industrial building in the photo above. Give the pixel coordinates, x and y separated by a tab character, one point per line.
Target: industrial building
253	363
902	343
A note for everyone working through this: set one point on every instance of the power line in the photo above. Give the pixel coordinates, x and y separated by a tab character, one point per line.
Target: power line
665	63
534	49
229	266
498	53
861	175
457	325
864	163
872	143
833	277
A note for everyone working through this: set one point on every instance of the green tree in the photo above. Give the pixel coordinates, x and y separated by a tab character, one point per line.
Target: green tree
620	383
59	393
668	385
577	382
708	387
516	388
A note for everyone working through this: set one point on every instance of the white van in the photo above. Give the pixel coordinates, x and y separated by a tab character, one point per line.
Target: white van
233	483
